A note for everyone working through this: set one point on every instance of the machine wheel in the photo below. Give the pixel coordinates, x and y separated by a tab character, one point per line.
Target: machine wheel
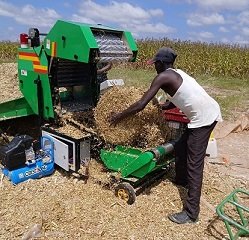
125	192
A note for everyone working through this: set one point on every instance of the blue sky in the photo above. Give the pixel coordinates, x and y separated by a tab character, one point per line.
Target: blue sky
224	21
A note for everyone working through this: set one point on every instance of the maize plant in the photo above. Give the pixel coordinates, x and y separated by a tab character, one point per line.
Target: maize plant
8	50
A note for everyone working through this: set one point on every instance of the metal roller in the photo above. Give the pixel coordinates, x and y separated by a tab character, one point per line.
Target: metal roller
112	49
163	150
113	59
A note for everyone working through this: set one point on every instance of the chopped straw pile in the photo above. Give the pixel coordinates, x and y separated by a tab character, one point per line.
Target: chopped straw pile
66	208
145	129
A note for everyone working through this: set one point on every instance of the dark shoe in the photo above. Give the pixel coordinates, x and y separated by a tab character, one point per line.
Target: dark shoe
181	218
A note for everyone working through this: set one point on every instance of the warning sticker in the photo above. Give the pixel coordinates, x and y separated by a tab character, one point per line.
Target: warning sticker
24	72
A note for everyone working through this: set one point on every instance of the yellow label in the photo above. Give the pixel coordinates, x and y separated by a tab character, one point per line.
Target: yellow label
41	67
29	58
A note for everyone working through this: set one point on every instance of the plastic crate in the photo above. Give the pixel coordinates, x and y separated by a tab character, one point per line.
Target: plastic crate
177	122
176	115
176	129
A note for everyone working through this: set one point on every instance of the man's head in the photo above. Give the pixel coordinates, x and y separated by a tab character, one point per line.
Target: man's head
164	57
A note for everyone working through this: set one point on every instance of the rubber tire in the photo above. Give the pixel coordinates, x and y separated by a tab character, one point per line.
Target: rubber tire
128	189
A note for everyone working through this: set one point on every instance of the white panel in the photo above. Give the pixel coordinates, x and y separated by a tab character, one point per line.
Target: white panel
110	83
60	152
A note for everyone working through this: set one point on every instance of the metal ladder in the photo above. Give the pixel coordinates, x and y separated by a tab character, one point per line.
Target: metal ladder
242	224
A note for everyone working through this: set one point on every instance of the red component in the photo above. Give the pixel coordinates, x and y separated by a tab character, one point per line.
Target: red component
176	115
24	38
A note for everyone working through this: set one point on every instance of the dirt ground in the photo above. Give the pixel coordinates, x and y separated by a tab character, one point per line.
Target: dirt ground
63	207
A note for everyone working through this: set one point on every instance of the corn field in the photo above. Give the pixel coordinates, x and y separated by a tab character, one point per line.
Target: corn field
199	58
196	58
8	51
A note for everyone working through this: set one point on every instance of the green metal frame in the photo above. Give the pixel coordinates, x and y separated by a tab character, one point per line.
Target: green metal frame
29	84
77	39
16	108
132	162
243	229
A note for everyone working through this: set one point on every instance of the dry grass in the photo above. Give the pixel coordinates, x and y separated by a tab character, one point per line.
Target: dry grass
69	209
145	129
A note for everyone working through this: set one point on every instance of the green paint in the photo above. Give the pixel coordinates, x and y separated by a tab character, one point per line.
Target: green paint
131	162
15	108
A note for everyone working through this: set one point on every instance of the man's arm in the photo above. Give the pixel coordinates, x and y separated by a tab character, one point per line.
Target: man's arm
105	68
140	104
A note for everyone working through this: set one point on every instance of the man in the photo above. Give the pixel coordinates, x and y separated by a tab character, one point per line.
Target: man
203	113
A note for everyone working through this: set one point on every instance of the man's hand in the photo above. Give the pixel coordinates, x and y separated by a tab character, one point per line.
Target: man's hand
114	118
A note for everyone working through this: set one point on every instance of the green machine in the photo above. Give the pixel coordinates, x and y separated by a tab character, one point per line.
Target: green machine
58	74
136	169
66	59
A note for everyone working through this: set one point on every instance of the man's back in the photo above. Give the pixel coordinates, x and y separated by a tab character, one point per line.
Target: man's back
193	100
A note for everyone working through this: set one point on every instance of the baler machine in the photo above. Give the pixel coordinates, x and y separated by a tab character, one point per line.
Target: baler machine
59	75
68	58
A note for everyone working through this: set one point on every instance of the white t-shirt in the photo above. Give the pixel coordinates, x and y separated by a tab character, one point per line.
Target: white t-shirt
195	103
